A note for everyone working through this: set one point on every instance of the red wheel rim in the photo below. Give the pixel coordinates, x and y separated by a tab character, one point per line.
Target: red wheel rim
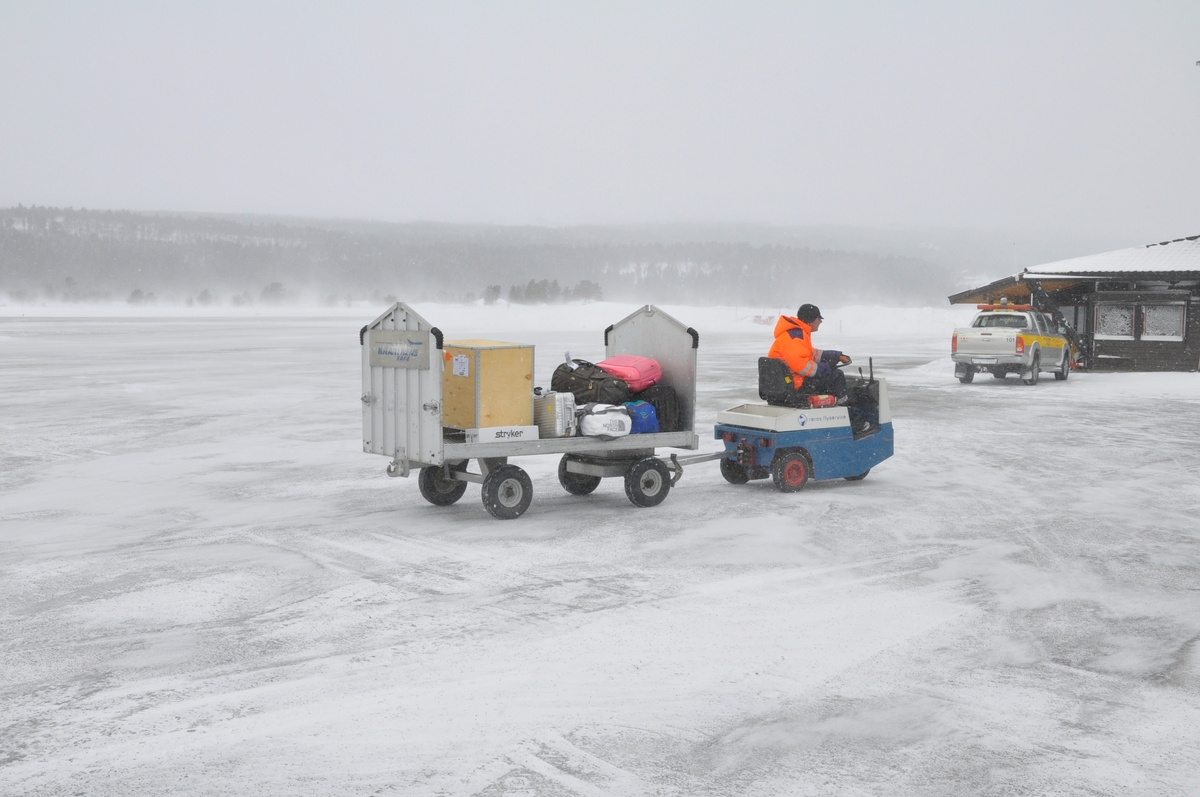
793	473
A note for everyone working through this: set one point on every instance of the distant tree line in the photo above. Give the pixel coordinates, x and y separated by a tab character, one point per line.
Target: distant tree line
112	253
546	292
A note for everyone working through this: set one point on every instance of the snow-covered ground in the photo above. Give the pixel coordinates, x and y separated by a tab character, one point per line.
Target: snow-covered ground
207	588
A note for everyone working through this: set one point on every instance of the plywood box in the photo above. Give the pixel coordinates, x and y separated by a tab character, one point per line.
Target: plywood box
487	383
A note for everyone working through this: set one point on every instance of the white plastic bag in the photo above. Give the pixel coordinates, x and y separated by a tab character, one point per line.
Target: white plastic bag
606	421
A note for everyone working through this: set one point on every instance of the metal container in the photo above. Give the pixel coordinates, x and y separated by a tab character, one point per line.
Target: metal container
554	414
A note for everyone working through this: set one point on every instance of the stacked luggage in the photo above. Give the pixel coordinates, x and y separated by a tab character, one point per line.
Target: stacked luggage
626	385
621	395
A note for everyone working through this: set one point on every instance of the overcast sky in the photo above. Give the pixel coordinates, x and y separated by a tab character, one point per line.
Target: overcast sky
1081	116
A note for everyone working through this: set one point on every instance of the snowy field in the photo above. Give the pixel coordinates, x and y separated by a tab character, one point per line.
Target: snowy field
207	588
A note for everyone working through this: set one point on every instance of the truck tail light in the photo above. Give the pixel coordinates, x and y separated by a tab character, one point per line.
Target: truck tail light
1020	344
954	343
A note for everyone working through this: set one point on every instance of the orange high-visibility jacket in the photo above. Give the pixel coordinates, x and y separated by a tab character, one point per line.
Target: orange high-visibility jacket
793	345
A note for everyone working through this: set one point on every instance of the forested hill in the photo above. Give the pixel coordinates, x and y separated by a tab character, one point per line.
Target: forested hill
54	253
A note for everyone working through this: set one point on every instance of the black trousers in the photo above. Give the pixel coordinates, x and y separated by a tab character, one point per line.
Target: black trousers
834	382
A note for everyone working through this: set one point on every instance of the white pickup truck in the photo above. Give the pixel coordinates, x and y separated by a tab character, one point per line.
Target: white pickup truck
1010	339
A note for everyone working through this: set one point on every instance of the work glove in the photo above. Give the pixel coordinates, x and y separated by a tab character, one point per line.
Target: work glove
844	360
823	368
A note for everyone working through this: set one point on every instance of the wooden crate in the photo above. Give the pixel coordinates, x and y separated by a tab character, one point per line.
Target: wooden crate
487	383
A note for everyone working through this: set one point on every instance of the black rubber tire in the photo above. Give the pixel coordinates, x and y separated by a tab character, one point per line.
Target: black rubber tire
647	482
967	378
790	470
1064	370
507	492
733	472
998	374
436	489
1035	370
859	477
576	483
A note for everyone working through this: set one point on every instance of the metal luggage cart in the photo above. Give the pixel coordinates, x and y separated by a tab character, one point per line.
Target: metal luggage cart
402	418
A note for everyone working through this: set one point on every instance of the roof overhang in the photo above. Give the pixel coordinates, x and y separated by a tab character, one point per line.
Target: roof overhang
1016	288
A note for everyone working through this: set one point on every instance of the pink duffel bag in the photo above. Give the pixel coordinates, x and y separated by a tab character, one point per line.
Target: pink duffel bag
639	372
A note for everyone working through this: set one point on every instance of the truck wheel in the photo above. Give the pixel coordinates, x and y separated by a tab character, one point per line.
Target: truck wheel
733	472
576	483
1064	370
999	373
859	477
437	489
1035	370
507	492
790	471
647	482
967	377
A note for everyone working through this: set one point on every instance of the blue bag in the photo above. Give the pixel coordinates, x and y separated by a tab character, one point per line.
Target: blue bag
645	419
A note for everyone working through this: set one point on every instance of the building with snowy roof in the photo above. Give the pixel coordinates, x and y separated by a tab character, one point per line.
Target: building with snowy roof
1131	310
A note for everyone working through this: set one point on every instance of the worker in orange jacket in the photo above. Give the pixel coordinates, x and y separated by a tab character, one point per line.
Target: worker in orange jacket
817	368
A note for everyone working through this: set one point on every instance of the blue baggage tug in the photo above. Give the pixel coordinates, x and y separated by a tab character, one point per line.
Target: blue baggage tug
793	444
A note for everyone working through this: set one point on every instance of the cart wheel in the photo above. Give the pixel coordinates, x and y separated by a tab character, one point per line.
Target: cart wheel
507	492
575	483
437	489
859	477
647	482
998	373
790	471
733	472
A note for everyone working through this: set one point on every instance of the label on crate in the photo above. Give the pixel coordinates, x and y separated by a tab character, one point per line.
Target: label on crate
399	348
462	365
501	434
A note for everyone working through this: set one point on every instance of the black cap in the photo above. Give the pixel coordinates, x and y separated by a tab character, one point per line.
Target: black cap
809	313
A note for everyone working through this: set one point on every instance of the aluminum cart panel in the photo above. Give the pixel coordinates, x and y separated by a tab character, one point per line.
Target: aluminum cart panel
650	332
402	387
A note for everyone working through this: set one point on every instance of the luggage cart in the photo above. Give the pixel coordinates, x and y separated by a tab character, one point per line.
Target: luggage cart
402	366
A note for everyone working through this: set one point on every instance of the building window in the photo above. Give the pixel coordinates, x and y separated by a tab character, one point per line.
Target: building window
1114	322
1162	322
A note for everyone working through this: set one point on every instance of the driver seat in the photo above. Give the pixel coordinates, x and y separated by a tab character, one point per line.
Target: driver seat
775	384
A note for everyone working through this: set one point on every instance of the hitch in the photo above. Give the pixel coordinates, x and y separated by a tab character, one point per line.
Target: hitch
745	454
398	466
676	469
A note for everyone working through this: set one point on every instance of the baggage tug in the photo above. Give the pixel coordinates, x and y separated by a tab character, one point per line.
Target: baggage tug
791	445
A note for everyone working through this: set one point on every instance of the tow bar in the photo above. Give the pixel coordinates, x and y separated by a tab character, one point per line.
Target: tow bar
677	462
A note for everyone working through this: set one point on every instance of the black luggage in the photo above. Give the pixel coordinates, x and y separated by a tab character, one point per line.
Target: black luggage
588	382
666	406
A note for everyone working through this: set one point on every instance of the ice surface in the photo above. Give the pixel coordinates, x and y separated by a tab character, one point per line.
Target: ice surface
207	588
